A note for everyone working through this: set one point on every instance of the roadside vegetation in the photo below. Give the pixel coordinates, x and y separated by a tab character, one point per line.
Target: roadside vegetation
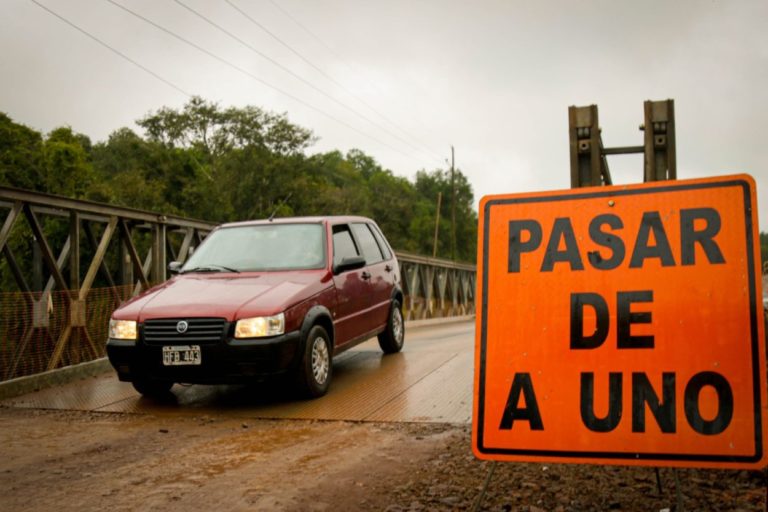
226	164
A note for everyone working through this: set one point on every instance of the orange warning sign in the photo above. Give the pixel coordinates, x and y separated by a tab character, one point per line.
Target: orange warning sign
622	325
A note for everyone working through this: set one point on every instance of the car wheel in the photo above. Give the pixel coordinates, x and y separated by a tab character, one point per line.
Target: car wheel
153	388
392	338
316	369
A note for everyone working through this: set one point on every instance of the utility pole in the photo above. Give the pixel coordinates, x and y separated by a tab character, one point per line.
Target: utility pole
453	210
437	224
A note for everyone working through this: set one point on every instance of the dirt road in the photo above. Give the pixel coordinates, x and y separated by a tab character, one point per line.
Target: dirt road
393	434
72	460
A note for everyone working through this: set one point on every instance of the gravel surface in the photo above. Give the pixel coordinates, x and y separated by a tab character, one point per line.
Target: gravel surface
68	460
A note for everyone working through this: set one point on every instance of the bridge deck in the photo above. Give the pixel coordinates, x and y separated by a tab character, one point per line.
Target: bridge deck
430	381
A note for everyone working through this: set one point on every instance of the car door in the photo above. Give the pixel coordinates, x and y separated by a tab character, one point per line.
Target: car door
352	289
380	270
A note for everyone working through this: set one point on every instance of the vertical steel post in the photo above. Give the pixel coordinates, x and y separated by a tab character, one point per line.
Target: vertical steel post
157	272
589	166
660	152
37	265
74	250
125	266
585	146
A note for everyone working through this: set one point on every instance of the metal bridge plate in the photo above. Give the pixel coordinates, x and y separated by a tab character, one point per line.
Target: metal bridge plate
430	381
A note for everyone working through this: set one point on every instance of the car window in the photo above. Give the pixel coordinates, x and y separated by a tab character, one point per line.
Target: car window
368	244
343	244
262	247
382	243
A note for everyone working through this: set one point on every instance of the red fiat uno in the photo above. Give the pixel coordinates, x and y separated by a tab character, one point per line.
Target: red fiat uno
263	298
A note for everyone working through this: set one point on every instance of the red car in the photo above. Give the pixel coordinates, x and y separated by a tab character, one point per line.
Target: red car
263	298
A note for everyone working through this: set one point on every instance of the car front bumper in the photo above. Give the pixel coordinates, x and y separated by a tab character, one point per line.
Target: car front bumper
231	361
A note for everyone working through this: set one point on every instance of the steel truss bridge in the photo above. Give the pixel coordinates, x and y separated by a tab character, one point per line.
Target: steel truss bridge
73	262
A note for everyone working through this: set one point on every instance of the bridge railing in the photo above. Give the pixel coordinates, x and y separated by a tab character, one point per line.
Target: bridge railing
66	264
436	287
72	262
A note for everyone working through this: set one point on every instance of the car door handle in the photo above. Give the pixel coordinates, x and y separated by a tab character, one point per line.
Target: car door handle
365	275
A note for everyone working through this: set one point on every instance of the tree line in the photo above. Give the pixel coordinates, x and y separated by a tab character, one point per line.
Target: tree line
225	164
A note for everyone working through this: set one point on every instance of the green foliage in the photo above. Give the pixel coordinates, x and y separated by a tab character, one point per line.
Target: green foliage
21	155
213	131
67	168
461	244
226	164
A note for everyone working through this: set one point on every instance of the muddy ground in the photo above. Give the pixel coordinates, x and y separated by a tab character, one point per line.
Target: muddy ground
68	460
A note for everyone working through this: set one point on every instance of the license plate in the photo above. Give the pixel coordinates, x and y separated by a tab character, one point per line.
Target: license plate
182	355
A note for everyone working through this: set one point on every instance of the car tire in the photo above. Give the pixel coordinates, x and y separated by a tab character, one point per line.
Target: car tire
391	340
316	368
152	388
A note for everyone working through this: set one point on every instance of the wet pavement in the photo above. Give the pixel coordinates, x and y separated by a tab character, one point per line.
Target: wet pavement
430	381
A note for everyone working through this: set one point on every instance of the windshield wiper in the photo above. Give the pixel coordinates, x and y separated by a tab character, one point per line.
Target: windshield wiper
210	268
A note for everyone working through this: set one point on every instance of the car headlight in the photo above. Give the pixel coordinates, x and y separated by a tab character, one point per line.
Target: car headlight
260	326
122	329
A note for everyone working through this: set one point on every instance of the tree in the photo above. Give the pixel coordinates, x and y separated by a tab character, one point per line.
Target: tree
428	185
391	204
21	155
145	174
204	125
67	168
226	164
237	163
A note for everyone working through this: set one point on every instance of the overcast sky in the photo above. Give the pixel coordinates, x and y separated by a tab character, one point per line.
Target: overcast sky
405	80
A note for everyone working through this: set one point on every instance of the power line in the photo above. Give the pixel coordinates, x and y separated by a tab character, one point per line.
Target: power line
220	59
110	48
323	43
254	77
286	69
329	77
343	61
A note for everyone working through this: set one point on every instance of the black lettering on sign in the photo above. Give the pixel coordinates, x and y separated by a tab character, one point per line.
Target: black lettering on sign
698	229
521	385
664	410
516	244
689	237
724	403
611	420
562	230
609	240
596	302
651	223
626	318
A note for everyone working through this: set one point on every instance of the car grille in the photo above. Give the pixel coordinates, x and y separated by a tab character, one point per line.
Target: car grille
200	331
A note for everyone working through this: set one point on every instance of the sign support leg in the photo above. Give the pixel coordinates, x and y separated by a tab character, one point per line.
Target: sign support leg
658	481
481	497
678	492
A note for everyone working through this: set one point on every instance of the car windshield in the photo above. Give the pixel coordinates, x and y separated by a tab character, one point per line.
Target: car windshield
260	247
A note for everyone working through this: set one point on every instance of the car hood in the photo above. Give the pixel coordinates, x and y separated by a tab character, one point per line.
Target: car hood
229	296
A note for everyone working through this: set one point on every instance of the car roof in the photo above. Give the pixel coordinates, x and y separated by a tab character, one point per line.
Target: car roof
332	219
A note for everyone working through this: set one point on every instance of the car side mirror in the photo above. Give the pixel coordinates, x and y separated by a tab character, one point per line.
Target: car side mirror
174	267
349	263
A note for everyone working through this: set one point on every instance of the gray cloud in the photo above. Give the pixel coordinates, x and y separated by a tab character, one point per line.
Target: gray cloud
493	78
